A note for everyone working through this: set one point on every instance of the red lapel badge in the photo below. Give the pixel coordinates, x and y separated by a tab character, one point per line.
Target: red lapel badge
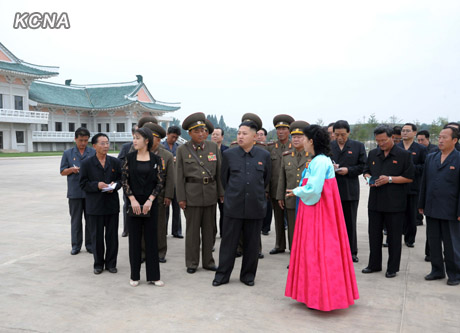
452	167
260	163
350	152
395	162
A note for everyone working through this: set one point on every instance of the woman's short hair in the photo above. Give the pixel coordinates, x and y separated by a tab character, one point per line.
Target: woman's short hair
146	133
320	137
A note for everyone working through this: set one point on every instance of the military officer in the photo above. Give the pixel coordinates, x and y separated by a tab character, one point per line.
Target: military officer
198	187
167	194
276	149
209	129
293	163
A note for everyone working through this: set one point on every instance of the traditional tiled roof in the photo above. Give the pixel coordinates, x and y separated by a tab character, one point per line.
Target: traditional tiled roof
19	67
93	97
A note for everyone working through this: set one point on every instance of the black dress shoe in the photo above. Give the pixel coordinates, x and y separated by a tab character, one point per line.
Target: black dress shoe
261	256
368	270
216	283
112	270
409	244
238	254
453	282
427	258
74	252
248	283
97	271
162	260
265	233
355	258
178	236
276	251
191	270
385	244
431	277
390	274
89	250
124	234
212	268
142	260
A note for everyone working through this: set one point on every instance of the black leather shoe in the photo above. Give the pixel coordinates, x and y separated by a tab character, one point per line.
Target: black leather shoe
427	258
368	270
431	277
248	283
112	270
212	268
355	258
390	274
89	250
97	271
142	260
261	256
276	251
385	244
191	270
216	283
178	236
265	233
409	244
74	252
162	260
453	282
124	234
238	254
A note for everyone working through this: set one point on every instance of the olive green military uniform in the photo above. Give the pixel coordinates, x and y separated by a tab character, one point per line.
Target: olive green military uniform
276	150
200	191
292	165
168	192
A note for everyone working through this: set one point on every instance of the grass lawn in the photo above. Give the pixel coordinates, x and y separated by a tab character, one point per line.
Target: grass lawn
41	153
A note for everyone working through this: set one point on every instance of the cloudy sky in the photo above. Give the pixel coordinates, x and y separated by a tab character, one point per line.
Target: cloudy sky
314	60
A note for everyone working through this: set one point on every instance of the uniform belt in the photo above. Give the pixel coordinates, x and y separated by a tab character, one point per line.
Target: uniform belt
204	180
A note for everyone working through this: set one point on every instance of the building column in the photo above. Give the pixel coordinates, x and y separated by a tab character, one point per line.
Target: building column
28	139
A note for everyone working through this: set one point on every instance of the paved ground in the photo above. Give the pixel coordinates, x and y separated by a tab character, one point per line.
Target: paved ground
45	289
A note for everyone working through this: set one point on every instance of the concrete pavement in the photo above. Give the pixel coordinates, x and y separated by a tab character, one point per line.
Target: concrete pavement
45	289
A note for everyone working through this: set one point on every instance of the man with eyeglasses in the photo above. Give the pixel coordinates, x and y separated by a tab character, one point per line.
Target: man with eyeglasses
388	169
418	153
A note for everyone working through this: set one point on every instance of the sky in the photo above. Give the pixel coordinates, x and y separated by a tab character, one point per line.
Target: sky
315	60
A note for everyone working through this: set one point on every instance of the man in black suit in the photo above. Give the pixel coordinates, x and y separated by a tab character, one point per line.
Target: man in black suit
418	153
440	202
388	169
349	157
423	138
217	136
100	178
245	175
121	156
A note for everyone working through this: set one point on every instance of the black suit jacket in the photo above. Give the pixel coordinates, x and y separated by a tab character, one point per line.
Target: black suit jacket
91	173
353	157
440	187
244	178
124	150
418	153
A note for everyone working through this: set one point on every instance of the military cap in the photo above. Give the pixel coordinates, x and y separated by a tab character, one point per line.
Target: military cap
145	120
156	129
297	127
254	118
209	126
282	120
195	120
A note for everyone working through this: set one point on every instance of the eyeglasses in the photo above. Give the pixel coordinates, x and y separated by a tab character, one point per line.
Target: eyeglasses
406	131
105	143
381	142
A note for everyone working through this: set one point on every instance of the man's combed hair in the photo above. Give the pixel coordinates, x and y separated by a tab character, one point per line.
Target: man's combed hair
174	130
396	130
222	130
320	137
341	124
384	129
425	133
252	125
97	136
81	131
413	126
265	131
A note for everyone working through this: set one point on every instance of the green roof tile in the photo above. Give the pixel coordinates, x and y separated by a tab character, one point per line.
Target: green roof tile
22	68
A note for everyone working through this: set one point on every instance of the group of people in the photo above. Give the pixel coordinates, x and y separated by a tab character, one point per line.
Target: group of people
307	179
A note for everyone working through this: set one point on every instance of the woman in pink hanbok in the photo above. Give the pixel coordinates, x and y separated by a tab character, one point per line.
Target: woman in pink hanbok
321	272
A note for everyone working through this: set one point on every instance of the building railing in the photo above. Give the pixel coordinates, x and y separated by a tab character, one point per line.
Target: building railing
23	116
54	136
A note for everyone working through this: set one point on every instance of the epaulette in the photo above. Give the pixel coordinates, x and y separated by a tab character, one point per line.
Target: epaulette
287	152
270	143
